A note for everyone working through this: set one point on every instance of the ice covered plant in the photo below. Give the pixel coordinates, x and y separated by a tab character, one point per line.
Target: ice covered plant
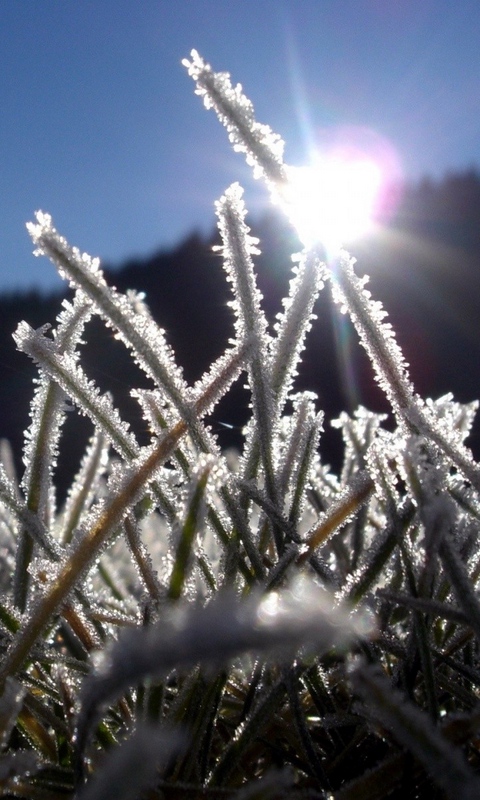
199	624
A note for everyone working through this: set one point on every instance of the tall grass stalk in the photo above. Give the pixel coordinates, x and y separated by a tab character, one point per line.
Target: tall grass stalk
207	624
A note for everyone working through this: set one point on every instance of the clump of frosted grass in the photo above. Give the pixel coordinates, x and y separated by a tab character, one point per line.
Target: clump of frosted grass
200	624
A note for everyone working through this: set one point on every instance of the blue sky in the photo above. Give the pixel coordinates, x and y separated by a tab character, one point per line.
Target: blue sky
99	124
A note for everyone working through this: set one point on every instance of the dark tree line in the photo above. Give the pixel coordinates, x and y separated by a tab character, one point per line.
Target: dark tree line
424	266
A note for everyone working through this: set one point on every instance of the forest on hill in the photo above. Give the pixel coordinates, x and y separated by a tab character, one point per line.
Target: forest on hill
424	266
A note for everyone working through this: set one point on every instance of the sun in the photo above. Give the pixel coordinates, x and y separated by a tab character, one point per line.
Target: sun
334	200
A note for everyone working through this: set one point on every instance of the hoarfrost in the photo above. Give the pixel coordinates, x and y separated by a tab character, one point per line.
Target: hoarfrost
177	520
138	331
85	487
376	336
294	323
70	376
301	616
263	147
238	247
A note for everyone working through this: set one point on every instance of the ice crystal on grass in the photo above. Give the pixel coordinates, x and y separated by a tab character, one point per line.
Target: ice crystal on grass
301	616
376	335
294	323
186	621
263	147
446	764
138	331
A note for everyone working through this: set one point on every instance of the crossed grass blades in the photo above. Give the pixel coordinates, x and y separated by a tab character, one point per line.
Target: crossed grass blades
199	624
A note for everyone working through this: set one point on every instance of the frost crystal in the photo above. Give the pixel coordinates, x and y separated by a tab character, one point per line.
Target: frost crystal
376	335
294	323
263	147
222	593
138	331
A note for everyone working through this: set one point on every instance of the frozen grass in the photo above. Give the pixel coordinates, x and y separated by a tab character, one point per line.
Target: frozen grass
202	624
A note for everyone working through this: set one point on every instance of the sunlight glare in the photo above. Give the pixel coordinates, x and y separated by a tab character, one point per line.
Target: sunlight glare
334	200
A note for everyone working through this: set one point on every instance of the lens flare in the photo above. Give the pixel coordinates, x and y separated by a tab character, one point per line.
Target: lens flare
351	184
334	200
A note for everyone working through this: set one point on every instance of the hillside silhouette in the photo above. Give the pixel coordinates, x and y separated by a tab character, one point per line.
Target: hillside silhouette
424	267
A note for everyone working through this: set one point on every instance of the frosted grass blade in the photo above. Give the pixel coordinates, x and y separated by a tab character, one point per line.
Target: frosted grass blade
48	413
143	560
294	323
300	462
133	767
41	441
263	148
376	336
250	322
71	377
301	616
26	518
138	331
130	490
388	362
98	407
341	512
415	731
194	514
85	486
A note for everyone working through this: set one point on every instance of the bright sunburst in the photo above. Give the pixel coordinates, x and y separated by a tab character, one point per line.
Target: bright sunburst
334	200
